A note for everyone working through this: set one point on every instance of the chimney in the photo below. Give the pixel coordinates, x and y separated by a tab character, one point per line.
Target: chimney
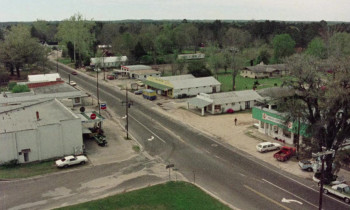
37	116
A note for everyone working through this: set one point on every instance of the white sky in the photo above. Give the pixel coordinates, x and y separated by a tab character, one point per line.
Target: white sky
298	10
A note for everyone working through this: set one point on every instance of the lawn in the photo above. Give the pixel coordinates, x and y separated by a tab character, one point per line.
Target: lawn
27	170
246	83
171	195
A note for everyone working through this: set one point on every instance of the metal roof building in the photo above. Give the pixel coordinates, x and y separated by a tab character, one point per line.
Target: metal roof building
183	85
39	131
217	103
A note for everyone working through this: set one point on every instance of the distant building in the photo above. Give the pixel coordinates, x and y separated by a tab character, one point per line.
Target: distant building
264	71
108	62
39	131
141	72
218	103
38	80
182	85
191	56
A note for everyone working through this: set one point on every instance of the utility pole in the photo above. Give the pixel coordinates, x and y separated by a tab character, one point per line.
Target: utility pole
322	156
57	60
127	106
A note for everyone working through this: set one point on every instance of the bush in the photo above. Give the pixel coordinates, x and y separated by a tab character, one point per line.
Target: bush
146	59
20	89
12	85
11	164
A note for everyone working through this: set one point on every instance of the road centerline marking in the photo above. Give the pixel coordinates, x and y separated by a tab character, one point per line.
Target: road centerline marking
267	198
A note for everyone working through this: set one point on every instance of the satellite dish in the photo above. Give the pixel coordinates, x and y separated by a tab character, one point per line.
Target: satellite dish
82	109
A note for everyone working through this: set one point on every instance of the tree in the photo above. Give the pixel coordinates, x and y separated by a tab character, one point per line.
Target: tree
19	48
198	69
263	56
237	63
124	44
238	38
215	58
283	45
324	101
340	44
317	48
78	31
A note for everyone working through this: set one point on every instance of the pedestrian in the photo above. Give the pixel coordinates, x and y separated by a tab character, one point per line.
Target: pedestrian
235	121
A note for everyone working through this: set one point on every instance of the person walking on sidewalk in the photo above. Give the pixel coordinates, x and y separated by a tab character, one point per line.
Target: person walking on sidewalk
235	121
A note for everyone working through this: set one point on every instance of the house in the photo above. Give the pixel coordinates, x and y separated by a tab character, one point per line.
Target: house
264	71
39	80
183	85
191	56
218	103
38	131
273	123
141	72
108	62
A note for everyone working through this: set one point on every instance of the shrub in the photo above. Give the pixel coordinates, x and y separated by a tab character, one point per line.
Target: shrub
20	89
11	85
11	164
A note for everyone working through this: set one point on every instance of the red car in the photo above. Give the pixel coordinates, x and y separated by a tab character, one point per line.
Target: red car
285	153
74	73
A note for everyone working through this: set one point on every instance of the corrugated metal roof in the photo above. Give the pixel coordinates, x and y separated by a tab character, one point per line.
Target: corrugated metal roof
112	59
178	77
199	102
194	82
157	85
137	67
146	71
24	118
43	77
266	68
235	96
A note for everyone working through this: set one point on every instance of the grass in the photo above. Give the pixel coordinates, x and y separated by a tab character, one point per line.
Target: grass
243	83
65	60
28	170
136	148
171	195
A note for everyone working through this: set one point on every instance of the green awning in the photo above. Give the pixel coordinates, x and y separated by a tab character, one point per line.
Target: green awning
157	85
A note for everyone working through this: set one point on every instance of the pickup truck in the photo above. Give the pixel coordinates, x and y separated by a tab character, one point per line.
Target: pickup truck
285	153
340	190
306	165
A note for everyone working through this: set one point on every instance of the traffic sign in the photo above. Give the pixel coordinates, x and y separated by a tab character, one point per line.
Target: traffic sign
103	106
93	116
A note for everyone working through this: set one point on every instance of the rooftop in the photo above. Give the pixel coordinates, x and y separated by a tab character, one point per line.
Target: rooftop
136	67
194	82
235	96
44	77
24	118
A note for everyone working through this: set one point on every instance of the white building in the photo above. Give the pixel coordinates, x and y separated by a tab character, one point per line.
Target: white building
107	62
218	103
39	131
191	56
183	85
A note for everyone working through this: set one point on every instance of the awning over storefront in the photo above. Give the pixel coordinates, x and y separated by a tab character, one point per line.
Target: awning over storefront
157	85
198	102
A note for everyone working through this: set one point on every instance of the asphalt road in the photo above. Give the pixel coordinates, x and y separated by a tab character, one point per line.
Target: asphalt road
233	176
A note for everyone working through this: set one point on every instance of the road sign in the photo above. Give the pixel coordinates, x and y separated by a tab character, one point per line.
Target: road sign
93	116
103	106
170	166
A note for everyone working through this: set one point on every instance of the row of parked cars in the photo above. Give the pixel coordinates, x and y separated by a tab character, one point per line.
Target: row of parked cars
337	187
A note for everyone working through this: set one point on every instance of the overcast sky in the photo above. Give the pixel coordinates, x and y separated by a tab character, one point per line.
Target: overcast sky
299	10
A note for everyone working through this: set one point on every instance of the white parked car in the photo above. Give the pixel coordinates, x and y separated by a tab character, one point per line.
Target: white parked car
267	146
71	160
340	190
72	83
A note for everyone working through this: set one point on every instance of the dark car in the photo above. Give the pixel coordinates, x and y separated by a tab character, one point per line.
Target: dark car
74	73
138	92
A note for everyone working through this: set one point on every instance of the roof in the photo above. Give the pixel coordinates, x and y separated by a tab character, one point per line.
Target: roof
178	77
199	102
157	85
47	92
146	71
43	77
24	118
112	59
194	82
276	92
137	67
235	96
266	68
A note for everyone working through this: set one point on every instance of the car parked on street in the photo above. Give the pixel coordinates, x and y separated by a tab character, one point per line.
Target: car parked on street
75	73
340	190
267	146
71	160
72	83
138	92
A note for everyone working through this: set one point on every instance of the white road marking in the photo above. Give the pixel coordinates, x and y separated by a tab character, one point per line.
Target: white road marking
290	193
284	200
148	130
